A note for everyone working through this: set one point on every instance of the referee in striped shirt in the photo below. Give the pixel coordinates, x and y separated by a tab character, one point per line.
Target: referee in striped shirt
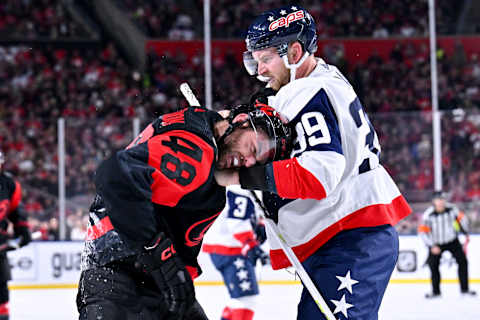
442	222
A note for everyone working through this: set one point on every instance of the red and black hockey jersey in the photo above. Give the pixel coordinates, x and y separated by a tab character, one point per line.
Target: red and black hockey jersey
10	197
163	181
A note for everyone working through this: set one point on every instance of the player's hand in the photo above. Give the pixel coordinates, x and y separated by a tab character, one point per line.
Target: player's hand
261	96
260	232
227	177
257	253
160	260
435	250
23	233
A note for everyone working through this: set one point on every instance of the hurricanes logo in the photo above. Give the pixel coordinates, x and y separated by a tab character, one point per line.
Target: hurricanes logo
192	236
285	21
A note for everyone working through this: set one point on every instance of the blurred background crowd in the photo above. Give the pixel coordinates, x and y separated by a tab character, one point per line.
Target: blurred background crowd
57	59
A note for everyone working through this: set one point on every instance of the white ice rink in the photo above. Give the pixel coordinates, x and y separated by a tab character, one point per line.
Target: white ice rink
401	302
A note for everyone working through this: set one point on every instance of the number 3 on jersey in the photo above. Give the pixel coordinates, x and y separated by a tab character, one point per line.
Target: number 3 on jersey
372	146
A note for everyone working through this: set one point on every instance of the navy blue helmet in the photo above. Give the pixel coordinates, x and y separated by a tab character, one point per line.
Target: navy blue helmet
278	28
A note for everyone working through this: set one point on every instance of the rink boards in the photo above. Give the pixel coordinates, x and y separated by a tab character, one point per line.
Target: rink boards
57	265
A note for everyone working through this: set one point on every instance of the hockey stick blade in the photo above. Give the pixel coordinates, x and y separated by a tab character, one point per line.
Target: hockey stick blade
189	95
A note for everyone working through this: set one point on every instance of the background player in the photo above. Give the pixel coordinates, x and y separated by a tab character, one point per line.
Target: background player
334	203
234	248
441	225
10	212
155	201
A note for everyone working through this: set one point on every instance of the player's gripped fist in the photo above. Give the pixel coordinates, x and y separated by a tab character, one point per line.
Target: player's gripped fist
162	263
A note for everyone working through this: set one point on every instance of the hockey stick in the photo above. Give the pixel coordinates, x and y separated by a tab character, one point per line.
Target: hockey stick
307	282
189	95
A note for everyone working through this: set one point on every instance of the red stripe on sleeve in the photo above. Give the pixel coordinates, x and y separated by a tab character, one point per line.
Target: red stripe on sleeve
99	229
244	237
16	197
296	181
22	224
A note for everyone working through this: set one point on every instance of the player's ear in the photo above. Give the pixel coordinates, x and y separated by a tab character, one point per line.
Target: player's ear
295	52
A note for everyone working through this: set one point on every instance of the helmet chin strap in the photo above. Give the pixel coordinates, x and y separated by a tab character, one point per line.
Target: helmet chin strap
293	67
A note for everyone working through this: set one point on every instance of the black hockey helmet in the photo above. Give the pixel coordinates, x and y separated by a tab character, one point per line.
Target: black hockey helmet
263	118
439	194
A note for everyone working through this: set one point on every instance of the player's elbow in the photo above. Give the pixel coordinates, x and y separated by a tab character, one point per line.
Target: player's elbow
328	170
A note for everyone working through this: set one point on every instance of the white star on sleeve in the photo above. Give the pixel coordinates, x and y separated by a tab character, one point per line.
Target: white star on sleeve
341	306
294	8
239	263
270	18
283	12
245	285
346	282
242	274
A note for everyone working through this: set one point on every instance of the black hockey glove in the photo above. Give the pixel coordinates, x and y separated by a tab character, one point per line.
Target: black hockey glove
261	96
22	233
162	263
260	232
257	253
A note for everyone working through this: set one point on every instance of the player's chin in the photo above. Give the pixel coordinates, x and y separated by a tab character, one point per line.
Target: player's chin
274	83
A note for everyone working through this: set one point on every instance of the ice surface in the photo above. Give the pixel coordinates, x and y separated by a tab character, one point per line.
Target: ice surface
401	302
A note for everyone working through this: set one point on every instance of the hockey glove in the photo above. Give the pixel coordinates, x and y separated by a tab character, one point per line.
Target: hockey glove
162	263
23	233
261	96
260	232
252	251
257	253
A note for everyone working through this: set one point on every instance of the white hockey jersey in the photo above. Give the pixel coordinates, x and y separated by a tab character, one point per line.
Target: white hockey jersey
333	180
233	229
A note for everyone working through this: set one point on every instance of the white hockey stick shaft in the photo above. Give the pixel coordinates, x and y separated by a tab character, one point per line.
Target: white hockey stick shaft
302	273
189	95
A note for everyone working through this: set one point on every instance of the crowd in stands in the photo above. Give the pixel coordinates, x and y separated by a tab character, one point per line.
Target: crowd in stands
180	20
160	19
335	18
32	19
99	95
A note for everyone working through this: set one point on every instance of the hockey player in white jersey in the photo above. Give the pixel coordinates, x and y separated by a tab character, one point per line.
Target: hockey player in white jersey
234	247
332	200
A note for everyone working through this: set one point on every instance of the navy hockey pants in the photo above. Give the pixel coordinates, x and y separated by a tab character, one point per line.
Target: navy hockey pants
351	271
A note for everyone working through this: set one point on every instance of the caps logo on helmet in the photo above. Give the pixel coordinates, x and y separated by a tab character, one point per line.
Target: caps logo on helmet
285	21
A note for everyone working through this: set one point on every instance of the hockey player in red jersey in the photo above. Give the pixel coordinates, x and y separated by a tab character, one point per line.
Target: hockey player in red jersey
10	211
332	200
155	201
